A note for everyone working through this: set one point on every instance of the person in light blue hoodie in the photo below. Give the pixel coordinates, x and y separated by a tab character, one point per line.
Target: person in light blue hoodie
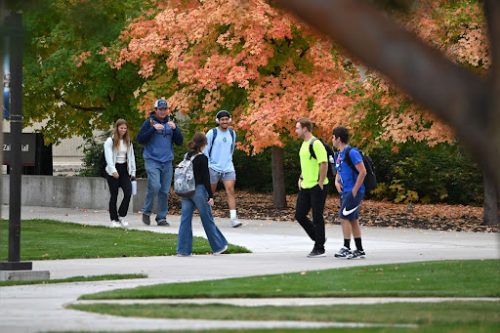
221	142
158	135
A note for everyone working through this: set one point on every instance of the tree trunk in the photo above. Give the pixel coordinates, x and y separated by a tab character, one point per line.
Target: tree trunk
279	196
491	213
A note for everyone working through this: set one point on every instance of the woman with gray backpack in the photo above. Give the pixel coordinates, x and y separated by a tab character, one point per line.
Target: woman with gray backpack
195	165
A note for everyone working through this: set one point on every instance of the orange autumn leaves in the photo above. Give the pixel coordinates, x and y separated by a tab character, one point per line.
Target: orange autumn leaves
286	70
214	45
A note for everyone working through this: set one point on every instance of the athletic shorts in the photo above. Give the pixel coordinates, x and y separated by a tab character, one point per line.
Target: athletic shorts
216	176
349	206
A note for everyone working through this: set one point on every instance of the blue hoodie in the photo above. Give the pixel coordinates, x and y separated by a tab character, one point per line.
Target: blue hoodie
159	144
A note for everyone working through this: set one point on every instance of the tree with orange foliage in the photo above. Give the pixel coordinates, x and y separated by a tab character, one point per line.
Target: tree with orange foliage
469	102
271	70
279	70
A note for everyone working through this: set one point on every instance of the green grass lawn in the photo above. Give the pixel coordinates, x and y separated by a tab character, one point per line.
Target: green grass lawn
76	279
445	278
434	317
440	278
48	239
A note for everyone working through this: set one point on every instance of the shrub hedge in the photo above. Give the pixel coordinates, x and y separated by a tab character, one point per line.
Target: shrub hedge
410	172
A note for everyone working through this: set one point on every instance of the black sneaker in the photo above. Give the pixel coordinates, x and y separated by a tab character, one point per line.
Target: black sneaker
146	219
343	252
315	253
357	254
163	223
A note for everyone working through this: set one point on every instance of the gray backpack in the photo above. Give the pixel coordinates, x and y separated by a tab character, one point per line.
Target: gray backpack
184	183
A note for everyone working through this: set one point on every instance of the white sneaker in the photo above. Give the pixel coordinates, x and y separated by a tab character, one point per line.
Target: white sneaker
123	222
236	223
115	224
221	251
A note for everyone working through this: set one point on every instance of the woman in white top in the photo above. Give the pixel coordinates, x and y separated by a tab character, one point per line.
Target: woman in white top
120	167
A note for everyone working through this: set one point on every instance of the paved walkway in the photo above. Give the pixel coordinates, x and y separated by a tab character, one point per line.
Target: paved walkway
277	247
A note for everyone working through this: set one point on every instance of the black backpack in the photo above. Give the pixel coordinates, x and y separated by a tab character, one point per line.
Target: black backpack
330	155
370	181
102	166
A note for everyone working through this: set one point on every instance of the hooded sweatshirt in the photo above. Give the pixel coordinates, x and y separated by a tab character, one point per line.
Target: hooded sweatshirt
158	144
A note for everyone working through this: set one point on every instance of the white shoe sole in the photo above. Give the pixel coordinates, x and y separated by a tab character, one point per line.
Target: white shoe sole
221	251
356	258
318	256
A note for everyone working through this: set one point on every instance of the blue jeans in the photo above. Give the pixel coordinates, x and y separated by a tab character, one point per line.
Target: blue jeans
215	237
159	180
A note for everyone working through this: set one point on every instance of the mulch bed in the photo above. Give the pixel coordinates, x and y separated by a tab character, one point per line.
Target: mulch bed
374	213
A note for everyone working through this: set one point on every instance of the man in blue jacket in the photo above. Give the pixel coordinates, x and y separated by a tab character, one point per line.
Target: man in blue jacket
158	135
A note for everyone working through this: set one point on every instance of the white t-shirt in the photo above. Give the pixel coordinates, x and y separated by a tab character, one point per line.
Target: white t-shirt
121	156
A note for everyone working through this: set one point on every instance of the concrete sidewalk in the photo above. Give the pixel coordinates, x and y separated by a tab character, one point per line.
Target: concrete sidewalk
277	247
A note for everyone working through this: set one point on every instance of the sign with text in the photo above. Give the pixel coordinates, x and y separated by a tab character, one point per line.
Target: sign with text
28	149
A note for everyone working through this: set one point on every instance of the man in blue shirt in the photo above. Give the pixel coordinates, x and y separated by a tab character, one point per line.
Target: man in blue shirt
219	150
158	135
349	183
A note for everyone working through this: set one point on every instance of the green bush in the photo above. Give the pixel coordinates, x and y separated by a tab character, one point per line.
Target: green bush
419	173
254	173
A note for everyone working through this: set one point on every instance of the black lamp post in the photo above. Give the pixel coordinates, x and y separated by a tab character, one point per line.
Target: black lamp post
13	29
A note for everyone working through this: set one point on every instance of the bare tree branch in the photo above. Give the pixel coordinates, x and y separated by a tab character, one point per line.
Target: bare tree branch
79	107
388	48
492	13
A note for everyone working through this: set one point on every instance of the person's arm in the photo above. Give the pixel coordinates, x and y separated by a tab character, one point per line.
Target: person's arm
322	158
108	155
235	139
360	168
209	143
323	169
146	132
338	184
205	178
177	136
202	175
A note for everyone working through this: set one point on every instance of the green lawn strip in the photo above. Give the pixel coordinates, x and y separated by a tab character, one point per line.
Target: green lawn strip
48	239
424	329
464	278
76	279
292	330
471	313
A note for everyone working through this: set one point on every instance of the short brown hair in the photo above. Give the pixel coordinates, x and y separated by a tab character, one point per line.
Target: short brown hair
306	122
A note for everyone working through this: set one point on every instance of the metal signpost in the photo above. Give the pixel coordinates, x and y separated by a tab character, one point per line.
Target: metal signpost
13	29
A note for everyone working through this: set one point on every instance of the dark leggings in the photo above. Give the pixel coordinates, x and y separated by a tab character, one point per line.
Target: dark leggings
114	184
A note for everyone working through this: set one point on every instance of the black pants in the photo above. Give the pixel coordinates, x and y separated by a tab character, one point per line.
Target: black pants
312	198
114	184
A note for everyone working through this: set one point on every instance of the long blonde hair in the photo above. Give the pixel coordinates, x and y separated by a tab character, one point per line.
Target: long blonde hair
116	135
